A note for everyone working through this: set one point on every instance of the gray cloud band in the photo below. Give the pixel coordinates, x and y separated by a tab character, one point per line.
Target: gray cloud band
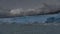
44	9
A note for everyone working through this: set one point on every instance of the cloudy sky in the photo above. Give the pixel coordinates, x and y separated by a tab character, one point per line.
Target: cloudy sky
26	3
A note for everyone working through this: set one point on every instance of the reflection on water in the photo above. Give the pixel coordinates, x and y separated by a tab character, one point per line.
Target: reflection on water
29	19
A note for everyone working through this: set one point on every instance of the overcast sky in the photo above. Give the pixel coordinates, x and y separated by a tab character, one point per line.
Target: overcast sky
26	3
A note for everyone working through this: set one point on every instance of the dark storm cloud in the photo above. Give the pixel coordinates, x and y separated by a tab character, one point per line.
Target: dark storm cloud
26	3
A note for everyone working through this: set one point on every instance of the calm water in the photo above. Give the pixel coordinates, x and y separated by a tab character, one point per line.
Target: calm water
29	19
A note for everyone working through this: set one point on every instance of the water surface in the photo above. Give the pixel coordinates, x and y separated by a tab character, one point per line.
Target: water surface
29	19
